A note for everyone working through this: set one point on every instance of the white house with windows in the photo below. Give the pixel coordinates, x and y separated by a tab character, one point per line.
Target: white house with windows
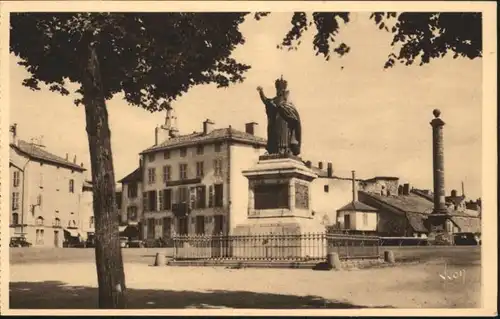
192	184
45	193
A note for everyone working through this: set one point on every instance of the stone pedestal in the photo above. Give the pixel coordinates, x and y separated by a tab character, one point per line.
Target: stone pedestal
279	202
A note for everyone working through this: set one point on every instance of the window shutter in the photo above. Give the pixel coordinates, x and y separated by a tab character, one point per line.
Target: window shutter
145	201
211	196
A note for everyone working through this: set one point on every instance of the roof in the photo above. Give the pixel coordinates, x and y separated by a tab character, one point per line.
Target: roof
423	193
214	136
467	224
417	221
456	200
356	206
135	176
38	153
391	178
407	203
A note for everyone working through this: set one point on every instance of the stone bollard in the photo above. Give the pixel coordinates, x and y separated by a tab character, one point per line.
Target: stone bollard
160	259
389	257
333	261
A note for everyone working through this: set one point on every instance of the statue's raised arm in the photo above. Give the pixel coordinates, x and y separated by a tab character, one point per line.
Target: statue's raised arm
262	95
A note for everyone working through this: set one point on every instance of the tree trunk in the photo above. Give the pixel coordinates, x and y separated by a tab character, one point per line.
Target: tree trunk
109	263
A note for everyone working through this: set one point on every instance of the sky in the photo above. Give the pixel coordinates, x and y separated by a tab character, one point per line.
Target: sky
354	113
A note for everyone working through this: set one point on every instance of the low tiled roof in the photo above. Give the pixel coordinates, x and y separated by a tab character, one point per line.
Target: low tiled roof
408	203
357	206
417	221
468	224
423	194
201	138
392	178
38	153
135	176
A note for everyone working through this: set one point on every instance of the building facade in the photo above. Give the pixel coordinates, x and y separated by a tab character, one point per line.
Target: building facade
46	194
192	184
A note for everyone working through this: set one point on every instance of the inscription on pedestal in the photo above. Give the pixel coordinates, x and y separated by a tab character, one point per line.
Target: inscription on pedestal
301	196
271	196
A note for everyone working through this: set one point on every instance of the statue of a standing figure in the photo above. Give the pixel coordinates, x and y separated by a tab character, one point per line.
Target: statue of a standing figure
283	121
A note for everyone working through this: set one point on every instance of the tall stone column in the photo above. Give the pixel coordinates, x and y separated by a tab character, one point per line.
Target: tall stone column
438	163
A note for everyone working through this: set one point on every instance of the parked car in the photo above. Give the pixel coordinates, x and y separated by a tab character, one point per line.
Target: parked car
19	242
465	239
135	243
123	242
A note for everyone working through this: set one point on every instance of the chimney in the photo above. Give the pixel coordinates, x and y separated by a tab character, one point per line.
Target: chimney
406	189
157	135
13	135
308	164
329	170
438	162
250	128
320	165
354	187
67	155
74	159
463	189
400	190
81	164
207	126
453	193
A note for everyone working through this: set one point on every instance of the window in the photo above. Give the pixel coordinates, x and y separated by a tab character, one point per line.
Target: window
167	199
166	173
39	221
217	167
118	196
71	186
183	195
160	200
182	171
15	200
41	179
39	236
132	213
39	200
15	219
151	157
365	219
57	222
132	190
199	150
167	226
91	222
145	201
72	223
166	154
152	201
151	228
217	147
326	188
218	224
200	225
200	196
151	175
218	195
183	152
210	196
16	178
199	170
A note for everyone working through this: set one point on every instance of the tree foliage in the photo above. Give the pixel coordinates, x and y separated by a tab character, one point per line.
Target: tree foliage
419	36
149	56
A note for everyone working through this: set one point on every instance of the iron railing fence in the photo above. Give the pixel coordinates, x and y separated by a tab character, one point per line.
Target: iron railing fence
287	247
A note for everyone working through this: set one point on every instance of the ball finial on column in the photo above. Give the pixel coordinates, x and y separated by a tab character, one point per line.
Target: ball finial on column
436	113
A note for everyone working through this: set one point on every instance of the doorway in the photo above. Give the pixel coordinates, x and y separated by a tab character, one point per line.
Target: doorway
347	221
56	238
182	226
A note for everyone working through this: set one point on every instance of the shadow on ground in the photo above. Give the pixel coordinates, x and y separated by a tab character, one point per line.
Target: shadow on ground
57	295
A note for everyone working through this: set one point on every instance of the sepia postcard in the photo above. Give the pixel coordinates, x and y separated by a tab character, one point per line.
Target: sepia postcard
319	158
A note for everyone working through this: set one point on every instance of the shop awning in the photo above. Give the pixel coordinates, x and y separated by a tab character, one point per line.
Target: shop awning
72	232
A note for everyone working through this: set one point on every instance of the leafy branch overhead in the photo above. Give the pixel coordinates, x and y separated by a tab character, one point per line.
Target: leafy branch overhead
149	57
419	36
